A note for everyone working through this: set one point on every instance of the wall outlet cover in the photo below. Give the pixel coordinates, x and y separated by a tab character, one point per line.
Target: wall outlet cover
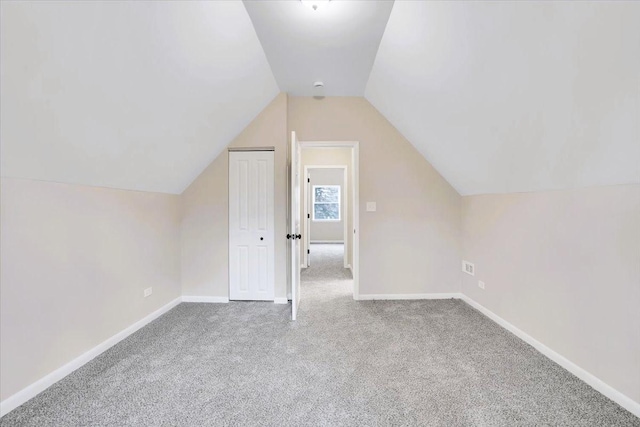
371	206
468	268
481	284
148	292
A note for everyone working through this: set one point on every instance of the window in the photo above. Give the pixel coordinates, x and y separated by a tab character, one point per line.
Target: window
326	203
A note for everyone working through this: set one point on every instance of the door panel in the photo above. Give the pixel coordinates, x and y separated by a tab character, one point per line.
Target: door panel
263	269
262	214
243	194
251	225
243	269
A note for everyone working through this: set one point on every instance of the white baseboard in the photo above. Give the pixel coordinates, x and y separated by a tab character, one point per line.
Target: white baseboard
365	297
595	382
29	392
327	241
280	301
205	299
289	296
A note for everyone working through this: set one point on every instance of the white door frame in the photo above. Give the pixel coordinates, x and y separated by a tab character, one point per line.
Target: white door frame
294	223
355	200
345	209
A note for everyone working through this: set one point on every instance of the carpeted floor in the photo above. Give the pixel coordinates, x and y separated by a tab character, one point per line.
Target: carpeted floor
326	267
426	363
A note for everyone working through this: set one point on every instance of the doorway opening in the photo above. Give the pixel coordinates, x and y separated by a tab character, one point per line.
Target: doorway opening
329	217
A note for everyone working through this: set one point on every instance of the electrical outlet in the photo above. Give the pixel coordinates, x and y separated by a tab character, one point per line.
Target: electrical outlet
468	268
148	292
480	284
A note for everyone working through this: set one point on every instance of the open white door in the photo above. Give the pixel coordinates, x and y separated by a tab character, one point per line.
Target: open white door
295	236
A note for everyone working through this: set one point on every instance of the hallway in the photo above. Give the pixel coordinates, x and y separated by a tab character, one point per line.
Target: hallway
326	278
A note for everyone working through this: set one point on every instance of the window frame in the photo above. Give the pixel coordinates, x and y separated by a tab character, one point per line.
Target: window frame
314	203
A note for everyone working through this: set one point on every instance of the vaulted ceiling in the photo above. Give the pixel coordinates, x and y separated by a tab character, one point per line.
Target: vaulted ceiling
498	96
515	96
137	95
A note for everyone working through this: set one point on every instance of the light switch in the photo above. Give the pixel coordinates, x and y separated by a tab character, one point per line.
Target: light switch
371	206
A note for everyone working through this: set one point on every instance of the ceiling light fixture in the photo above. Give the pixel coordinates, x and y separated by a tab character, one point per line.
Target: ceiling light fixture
315	4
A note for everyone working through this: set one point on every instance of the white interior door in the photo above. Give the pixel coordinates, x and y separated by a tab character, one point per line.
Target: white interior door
295	235
251	226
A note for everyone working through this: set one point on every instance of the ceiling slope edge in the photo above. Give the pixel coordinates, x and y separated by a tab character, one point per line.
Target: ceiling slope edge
252	122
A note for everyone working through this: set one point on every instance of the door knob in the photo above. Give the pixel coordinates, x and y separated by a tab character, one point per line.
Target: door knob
299	236
262	238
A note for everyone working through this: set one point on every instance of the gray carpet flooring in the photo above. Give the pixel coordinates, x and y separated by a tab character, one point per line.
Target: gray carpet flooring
326	268
368	363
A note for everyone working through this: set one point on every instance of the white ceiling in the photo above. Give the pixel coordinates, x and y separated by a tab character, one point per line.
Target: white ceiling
498	96
515	96
133	95
335	44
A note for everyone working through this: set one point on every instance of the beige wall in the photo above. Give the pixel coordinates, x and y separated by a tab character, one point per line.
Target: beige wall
564	267
75	261
205	215
312	156
411	244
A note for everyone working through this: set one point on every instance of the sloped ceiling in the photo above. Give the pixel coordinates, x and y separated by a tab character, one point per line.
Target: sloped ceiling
133	95
498	96
515	96
335	44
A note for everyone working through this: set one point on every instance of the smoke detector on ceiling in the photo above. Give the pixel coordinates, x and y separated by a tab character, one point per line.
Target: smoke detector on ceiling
318	90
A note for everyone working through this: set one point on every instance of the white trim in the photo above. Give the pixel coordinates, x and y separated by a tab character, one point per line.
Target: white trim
288	296
365	297
355	253
31	391
280	301
595	382
327	241
205	299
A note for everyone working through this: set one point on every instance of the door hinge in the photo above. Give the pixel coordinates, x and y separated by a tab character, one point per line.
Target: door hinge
308	179
308	216
308	251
